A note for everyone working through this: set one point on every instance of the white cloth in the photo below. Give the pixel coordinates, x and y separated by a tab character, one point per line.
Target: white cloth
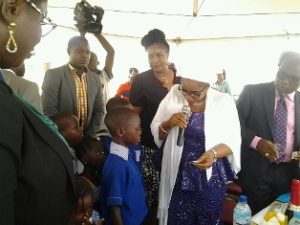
221	126
119	150
104	79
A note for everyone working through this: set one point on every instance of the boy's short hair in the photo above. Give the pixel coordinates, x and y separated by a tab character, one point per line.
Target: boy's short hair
118	118
62	120
117	101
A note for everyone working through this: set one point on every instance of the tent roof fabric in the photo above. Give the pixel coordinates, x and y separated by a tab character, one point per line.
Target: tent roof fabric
215	19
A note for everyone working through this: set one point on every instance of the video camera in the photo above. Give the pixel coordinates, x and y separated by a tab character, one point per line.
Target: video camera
88	18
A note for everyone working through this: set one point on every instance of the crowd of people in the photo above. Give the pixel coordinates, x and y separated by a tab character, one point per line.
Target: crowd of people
161	151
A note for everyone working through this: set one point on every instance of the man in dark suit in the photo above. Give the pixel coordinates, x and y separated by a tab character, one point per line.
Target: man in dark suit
267	166
72	88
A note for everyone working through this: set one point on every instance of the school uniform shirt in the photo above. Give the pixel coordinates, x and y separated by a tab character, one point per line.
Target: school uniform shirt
135	150
122	186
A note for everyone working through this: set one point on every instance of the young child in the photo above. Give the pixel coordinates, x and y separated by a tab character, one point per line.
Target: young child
83	204
90	153
136	150
68	126
123	197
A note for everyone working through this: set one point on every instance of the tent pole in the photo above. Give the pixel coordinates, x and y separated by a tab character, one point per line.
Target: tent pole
195	8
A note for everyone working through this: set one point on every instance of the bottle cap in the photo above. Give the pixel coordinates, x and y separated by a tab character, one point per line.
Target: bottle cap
243	199
295	184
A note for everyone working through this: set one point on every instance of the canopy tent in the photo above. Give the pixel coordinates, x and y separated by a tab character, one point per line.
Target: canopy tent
245	37
238	18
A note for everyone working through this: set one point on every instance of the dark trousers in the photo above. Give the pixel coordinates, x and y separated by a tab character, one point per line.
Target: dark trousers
277	181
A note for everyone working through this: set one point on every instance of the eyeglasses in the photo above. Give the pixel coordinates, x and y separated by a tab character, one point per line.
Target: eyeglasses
47	24
193	94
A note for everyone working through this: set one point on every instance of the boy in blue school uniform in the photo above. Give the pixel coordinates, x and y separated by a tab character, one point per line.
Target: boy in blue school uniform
136	150
123	196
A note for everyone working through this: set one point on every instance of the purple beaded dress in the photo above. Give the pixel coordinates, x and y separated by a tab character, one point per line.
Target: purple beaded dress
194	200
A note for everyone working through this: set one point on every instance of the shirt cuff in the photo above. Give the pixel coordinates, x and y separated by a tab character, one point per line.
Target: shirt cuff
254	142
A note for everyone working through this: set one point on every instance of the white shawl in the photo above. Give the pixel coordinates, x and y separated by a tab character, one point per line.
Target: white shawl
221	126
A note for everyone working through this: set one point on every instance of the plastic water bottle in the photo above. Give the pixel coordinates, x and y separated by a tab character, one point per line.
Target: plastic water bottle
296	219
242	212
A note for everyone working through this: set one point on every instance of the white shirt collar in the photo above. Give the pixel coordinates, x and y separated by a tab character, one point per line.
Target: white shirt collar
119	150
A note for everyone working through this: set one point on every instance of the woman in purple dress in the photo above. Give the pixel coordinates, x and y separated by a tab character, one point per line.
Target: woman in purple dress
194	175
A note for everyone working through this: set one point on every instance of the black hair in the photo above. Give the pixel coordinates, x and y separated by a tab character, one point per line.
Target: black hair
74	41
133	70
155	36
82	188
62	120
224	74
118	118
83	147
115	102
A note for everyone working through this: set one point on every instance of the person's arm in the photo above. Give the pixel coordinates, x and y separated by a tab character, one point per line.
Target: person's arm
244	109
110	54
115	215
137	96
32	95
50	93
10	155
228	90
249	136
115	177
177	119
207	158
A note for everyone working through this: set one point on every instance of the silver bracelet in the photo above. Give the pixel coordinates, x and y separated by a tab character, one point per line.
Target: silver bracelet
162	129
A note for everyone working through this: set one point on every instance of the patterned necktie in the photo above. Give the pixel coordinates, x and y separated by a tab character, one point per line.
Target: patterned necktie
280	128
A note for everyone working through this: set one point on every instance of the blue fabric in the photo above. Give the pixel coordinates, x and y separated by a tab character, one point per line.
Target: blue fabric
135	150
195	201
122	185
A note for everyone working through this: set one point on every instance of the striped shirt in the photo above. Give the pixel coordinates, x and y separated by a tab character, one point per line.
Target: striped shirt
81	96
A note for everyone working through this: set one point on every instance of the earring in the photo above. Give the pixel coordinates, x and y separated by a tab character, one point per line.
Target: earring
11	40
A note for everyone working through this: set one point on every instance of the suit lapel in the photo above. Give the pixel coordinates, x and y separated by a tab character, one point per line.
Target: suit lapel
297	120
269	104
69	78
51	139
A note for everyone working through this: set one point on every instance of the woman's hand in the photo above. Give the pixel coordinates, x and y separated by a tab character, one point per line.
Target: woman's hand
205	161
178	119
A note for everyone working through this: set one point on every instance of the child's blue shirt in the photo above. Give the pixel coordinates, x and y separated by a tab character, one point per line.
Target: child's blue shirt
135	150
122	185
